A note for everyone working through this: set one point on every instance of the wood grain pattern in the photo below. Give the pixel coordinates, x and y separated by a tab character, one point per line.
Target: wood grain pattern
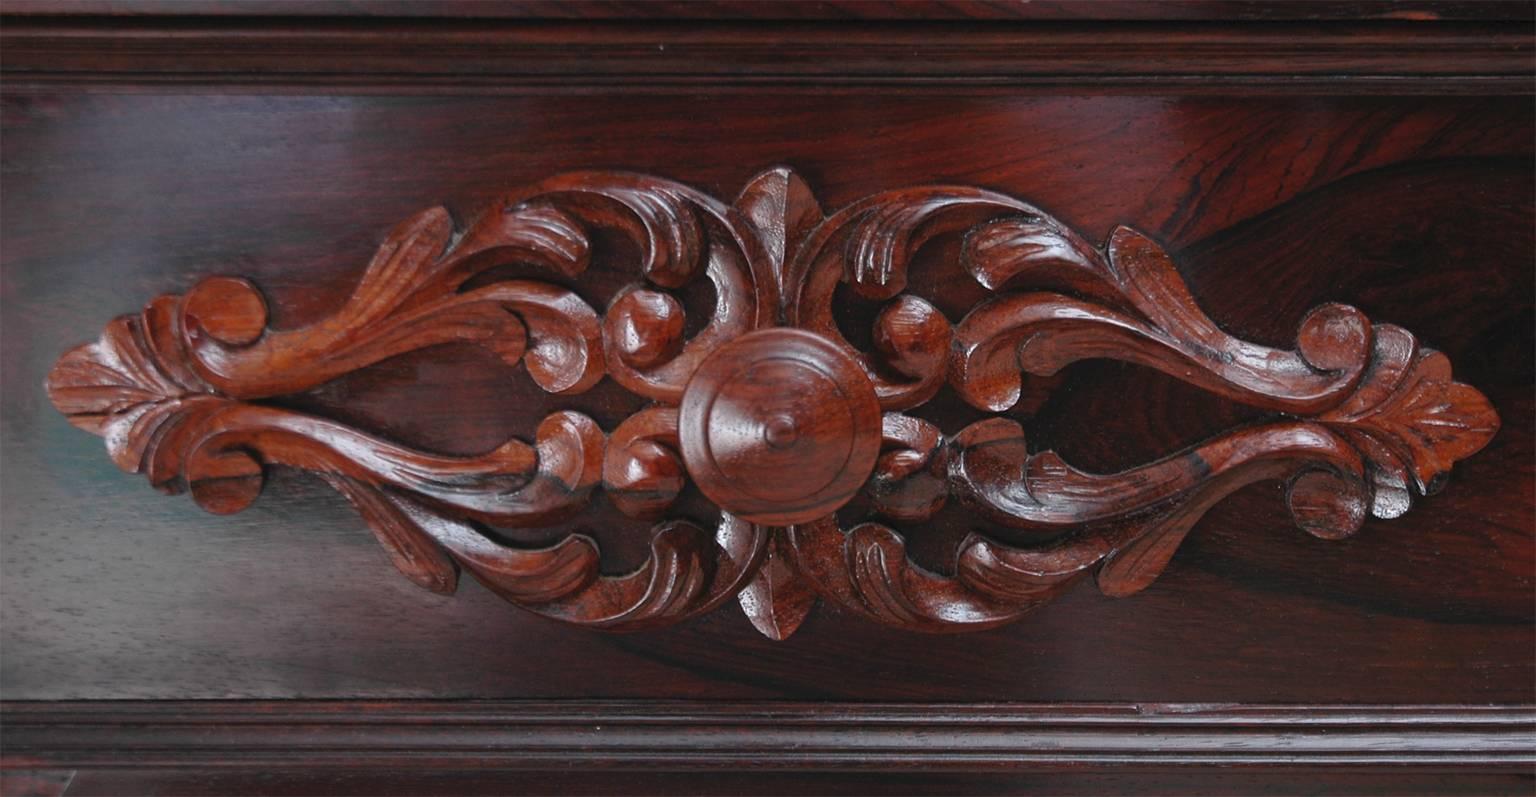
1421	206
1373	154
780	426
1284	155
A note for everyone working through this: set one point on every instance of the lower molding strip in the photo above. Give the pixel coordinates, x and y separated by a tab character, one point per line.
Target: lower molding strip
647	735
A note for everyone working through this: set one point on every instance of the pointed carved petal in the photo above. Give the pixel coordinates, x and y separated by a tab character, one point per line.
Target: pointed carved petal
777	599
784	211
411	548
1040	251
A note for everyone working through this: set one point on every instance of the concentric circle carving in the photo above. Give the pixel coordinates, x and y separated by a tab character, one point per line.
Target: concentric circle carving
780	426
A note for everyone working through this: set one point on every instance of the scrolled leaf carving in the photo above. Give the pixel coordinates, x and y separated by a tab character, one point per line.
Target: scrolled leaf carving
767	409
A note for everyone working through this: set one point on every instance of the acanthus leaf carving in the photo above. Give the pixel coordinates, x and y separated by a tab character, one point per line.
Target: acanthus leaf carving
767	409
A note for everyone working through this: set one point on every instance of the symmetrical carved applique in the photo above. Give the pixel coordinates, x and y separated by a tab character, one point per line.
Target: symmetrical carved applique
768	409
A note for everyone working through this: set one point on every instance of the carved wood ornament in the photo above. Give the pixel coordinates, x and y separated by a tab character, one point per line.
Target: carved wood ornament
769	410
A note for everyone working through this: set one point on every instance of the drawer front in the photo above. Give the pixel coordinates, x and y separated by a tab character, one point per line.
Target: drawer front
1271	198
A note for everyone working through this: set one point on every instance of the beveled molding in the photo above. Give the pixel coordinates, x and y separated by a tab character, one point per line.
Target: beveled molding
478	56
786	736
768	409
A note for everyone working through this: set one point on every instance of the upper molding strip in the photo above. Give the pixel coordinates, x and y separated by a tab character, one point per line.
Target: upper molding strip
493	55
1416	11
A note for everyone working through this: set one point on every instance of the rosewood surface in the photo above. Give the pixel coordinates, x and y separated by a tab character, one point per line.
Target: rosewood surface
1410	209
1396	180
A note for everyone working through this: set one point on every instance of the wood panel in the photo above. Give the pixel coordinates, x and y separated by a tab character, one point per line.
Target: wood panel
1413	209
1285	154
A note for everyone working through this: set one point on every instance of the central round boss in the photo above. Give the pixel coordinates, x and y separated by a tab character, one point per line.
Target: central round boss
779	426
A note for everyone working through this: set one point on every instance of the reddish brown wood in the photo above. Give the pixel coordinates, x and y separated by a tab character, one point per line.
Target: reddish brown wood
448	737
779	426
1374	154
1211	51
139	155
836	10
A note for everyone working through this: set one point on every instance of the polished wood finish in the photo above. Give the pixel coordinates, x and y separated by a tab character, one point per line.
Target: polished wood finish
836	10
1381	164
1195	53
779	426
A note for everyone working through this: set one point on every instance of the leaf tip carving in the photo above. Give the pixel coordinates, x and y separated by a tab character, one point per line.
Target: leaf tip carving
1033	247
642	470
778	597
1412	420
536	232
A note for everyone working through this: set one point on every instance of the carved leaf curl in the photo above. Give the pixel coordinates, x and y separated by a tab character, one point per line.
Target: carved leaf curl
869	246
910	481
679	232
867	571
514	484
1152	507
686	572
689	572
1123	526
1394	402
409	299
1041	332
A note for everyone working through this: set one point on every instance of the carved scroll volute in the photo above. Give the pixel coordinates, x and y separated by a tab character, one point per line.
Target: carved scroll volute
768	410
682	235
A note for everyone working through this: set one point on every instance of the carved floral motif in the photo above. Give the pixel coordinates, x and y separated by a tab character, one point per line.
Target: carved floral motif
768	409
